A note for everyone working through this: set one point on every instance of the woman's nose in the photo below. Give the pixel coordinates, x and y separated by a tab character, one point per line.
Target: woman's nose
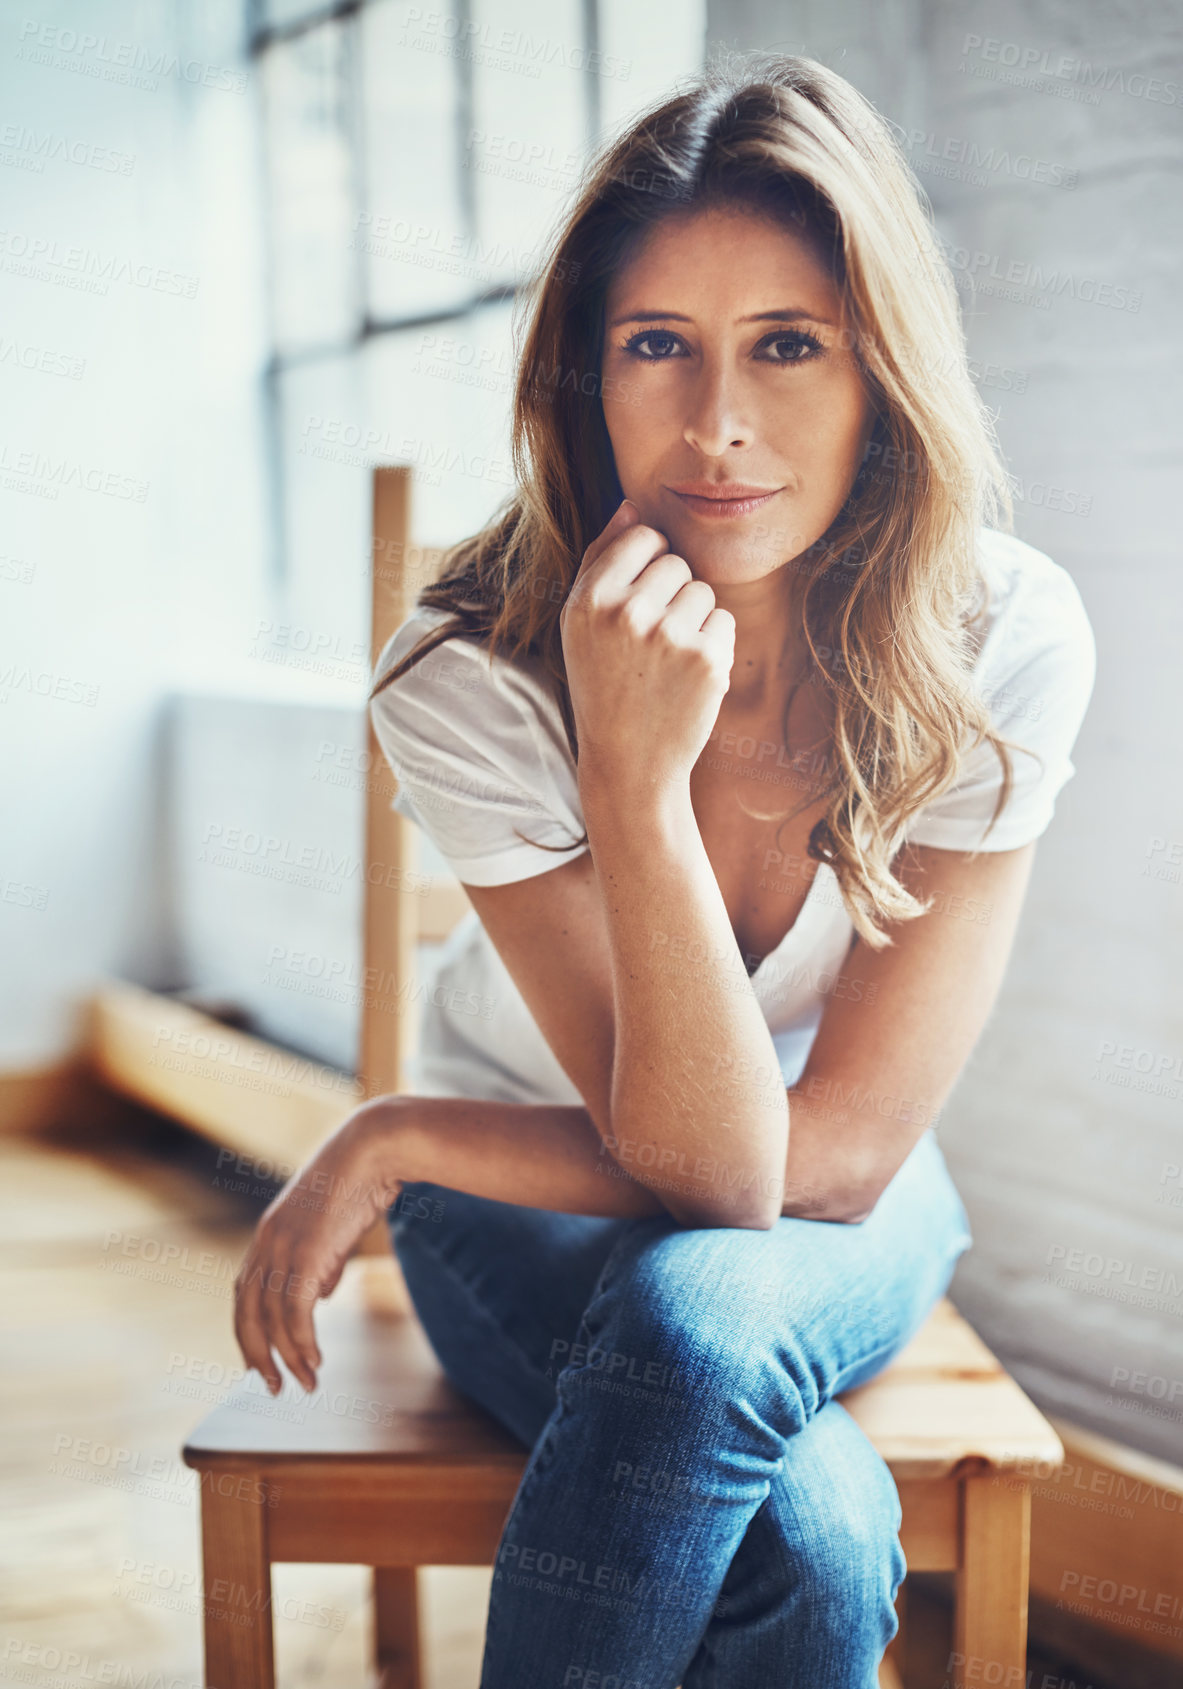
716	418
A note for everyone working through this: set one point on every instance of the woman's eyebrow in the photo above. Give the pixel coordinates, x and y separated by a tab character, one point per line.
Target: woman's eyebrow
760	317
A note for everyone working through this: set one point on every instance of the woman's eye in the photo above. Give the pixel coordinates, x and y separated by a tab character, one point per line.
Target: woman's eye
662	334
800	347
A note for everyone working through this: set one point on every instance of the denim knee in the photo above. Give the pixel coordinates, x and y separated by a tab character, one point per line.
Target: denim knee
673	1314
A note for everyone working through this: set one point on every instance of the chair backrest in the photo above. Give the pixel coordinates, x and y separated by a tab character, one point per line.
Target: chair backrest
402	908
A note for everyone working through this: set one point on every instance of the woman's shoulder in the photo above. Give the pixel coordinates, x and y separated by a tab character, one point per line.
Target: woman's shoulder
1034	610
477	743
1034	670
459	675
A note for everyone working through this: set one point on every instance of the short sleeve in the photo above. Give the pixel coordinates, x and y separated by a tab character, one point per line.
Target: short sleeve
1035	673
480	756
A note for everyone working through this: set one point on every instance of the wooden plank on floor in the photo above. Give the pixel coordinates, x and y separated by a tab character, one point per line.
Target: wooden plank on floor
239	1090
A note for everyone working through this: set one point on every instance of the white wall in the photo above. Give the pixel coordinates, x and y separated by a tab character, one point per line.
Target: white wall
1058	1153
131	340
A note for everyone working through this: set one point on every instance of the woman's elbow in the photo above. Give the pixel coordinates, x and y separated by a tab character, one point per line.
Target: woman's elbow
737	1214
848	1204
856	1202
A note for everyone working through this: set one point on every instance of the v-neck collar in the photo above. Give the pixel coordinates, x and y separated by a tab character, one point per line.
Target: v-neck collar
804	915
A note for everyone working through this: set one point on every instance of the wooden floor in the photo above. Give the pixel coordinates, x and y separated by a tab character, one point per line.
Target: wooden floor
116	1269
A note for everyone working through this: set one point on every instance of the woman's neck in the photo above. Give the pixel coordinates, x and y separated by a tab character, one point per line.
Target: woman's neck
771	651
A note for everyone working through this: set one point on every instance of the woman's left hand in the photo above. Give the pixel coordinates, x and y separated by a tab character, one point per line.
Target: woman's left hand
304	1238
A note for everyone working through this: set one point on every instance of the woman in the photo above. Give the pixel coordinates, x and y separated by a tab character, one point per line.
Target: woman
714	723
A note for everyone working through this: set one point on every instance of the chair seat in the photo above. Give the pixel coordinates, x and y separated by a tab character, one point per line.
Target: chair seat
381	1394
944	1408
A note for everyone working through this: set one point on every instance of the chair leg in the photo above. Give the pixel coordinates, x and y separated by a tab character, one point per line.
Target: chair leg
396	1627
990	1618
236	1585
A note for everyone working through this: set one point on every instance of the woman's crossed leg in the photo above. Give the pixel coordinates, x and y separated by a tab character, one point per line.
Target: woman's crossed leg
697	1509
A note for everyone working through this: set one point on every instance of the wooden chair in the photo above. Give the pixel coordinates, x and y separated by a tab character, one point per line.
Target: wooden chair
392	1468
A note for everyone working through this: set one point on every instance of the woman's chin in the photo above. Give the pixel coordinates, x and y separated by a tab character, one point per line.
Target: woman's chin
739	559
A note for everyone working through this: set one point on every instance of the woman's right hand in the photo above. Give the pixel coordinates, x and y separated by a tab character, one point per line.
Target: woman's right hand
648	656
306	1234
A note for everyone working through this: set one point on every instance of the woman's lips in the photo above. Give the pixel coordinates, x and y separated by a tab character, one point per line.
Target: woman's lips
721	507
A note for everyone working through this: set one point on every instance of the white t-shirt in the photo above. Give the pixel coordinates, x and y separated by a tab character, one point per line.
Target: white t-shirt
480	752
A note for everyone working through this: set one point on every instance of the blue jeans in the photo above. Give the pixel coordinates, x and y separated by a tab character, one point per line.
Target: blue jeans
697	1508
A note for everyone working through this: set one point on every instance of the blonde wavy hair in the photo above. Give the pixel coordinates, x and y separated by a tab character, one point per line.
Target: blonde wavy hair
893	592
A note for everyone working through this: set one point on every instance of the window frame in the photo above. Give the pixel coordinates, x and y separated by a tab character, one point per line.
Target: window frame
263	38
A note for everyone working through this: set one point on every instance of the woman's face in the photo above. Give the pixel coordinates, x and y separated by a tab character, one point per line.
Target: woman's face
724	362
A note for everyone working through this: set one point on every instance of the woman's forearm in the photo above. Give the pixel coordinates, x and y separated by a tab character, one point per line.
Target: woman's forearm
537	1155
686	1017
